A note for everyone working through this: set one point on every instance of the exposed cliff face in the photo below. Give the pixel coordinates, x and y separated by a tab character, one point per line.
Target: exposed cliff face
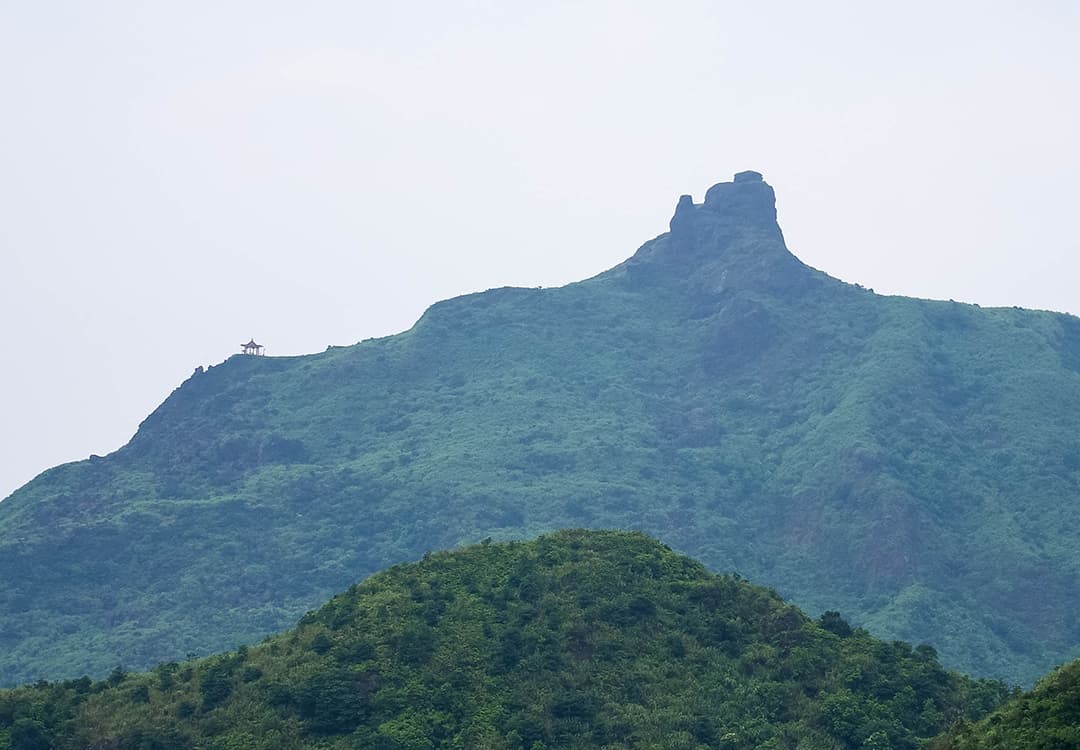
729	243
910	463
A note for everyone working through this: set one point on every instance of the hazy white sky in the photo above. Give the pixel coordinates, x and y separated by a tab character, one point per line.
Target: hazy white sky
176	178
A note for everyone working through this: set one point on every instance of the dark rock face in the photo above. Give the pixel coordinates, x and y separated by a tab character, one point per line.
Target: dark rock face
748	176
731	241
749	198
684	215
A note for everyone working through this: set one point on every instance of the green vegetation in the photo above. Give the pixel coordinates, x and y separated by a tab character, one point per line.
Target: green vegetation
576	640
1047	718
913	464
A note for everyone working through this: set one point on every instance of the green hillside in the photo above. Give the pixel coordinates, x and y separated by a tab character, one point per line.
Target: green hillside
576	640
914	464
1047	718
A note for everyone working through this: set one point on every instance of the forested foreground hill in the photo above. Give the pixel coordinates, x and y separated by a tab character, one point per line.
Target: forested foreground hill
914	464
576	640
1047	718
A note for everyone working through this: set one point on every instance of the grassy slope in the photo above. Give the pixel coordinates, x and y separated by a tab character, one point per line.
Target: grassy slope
914	464
576	640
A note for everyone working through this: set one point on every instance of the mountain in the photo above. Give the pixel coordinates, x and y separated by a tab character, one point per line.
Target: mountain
913	464
1047	718
576	640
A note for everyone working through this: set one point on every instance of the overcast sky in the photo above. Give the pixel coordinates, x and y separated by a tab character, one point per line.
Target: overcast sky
178	177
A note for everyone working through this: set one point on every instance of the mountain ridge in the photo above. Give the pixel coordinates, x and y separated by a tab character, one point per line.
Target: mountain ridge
907	462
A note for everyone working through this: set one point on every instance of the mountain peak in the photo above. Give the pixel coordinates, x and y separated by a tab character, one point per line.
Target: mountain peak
749	176
748	198
729	241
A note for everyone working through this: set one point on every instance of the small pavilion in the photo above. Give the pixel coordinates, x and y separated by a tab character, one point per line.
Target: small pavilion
252	348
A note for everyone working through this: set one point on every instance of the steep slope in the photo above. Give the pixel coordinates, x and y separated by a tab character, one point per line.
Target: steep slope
914	464
1047	718
577	640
